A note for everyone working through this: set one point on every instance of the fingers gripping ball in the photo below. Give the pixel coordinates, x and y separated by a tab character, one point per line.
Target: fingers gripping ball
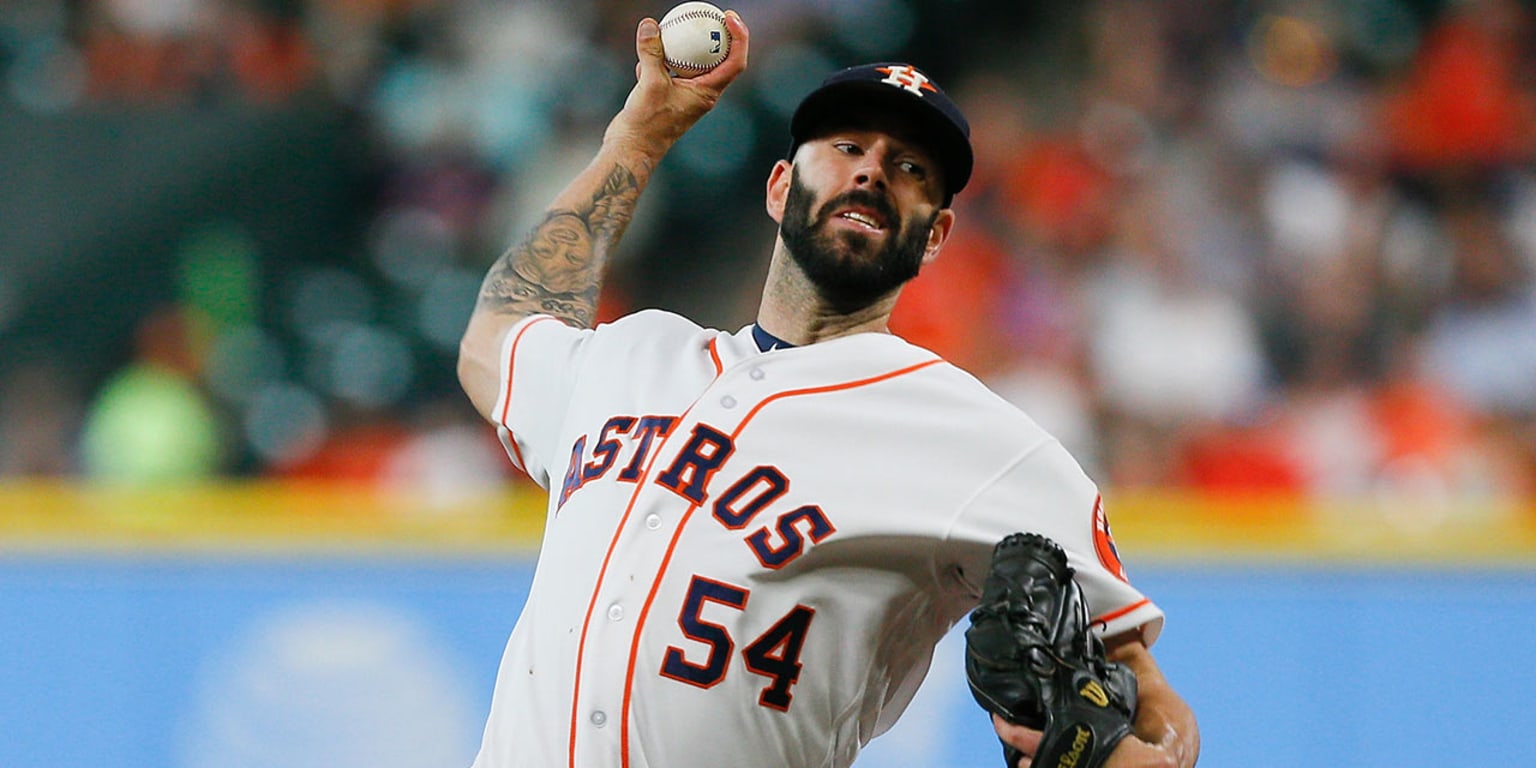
1030	658
694	38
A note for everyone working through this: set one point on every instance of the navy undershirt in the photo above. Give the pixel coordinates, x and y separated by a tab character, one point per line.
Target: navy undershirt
767	342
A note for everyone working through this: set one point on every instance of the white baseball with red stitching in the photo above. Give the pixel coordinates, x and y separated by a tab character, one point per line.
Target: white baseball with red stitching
694	38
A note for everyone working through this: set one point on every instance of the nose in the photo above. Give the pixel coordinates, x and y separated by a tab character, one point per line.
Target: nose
873	178
871	172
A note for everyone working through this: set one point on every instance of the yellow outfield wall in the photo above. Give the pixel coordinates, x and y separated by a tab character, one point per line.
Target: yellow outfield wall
48	516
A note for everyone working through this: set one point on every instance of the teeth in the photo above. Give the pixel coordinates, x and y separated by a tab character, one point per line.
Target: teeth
862	219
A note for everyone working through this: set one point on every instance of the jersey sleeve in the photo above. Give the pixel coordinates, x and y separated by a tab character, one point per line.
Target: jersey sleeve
540	359
557	379
1046	492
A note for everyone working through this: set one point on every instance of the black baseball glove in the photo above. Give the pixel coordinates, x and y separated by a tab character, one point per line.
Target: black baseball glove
1030	658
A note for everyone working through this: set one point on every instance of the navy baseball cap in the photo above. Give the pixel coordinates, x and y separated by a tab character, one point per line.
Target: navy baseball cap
903	87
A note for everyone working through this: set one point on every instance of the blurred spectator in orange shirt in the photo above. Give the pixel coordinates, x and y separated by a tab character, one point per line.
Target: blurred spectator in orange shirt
1463	102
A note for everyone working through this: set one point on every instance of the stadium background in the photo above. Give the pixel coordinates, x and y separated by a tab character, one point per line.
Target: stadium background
1266	267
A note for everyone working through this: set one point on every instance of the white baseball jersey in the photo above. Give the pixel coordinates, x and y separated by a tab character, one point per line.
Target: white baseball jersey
749	556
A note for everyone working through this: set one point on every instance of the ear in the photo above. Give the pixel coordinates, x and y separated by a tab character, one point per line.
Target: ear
778	189
938	234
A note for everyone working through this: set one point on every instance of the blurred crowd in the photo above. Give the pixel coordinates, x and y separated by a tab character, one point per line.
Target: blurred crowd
1238	247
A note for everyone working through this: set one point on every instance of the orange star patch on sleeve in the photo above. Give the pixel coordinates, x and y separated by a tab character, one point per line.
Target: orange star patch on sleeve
1104	542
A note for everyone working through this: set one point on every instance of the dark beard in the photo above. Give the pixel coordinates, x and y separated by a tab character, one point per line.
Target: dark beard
846	275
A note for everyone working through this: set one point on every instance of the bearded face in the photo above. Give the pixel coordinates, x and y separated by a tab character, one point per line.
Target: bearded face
847	267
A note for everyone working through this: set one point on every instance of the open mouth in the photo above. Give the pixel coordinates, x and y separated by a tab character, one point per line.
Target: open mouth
863	218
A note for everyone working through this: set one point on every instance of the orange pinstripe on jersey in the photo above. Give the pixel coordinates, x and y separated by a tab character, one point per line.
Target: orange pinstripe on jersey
586	621
517	453
831	388
714	356
1112	615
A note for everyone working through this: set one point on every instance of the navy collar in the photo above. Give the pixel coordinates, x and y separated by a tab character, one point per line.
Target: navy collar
767	342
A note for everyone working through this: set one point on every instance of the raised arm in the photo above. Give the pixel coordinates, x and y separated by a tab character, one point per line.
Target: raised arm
557	269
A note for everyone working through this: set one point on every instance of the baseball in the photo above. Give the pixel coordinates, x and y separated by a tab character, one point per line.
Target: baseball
694	38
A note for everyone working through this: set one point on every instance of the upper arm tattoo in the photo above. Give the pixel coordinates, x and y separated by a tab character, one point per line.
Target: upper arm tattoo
557	269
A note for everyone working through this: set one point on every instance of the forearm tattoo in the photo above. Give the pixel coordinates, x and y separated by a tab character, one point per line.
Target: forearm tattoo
557	269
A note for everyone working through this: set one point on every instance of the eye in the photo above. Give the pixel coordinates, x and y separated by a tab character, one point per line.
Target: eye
846	147
913	169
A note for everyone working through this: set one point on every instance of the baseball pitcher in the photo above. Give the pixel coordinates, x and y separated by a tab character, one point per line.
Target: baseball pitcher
756	538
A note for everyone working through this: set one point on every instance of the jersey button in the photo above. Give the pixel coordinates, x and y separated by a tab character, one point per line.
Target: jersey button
757	374
653	521
616	612
728	401
599	718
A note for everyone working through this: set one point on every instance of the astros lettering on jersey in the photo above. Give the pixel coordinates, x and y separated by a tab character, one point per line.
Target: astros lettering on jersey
749	556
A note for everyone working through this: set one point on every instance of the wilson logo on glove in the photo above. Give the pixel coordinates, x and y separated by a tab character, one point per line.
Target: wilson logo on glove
1094	693
1080	743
